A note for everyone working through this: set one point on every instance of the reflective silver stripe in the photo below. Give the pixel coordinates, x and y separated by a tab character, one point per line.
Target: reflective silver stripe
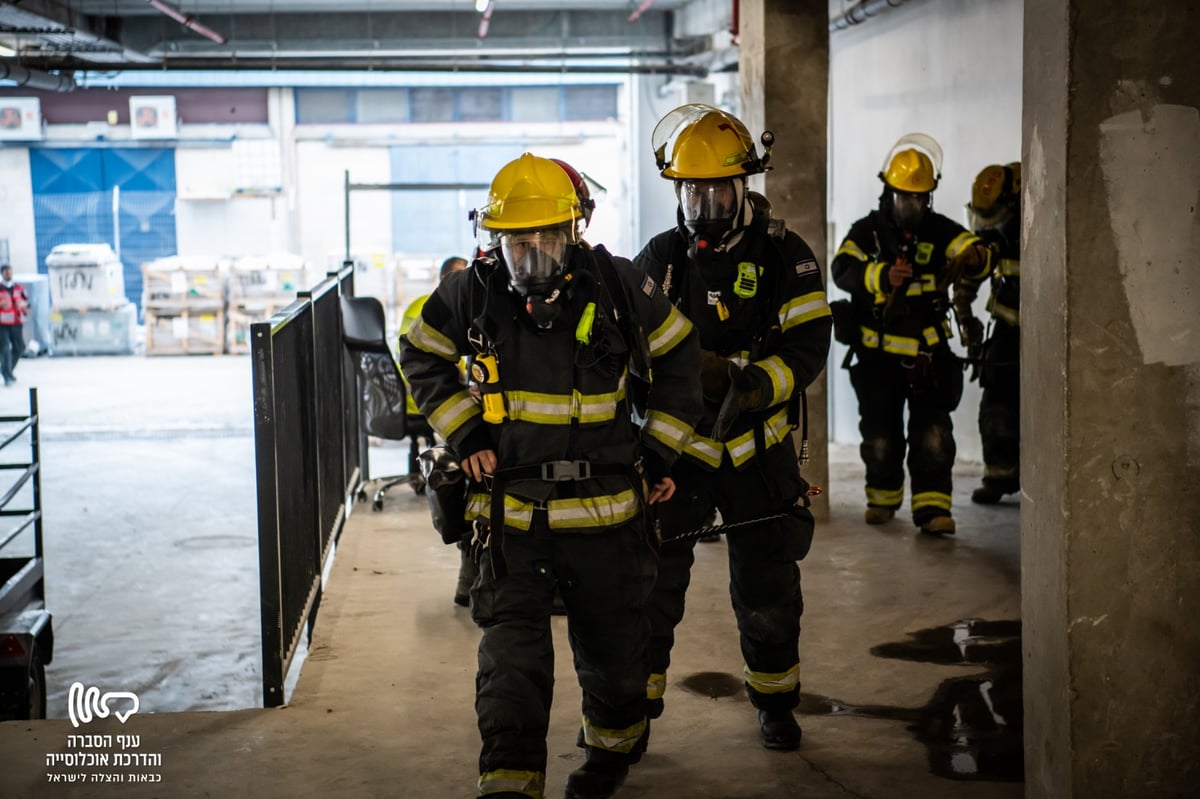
803	309
612	740
960	243
773	682
452	414
873	277
705	450
741	449
897	345
429	339
583	512
850	248
529	783
741	359
931	499
668	430
532	406
1010	267
998	473
656	686
673	330
782	381
886	497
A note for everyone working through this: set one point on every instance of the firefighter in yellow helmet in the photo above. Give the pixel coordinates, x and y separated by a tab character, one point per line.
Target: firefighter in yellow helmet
899	264
995	211
754	291
561	473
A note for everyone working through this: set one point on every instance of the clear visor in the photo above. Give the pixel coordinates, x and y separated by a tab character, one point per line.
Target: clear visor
994	218
707	200
535	257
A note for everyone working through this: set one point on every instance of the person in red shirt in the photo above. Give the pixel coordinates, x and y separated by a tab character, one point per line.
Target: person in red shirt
14	307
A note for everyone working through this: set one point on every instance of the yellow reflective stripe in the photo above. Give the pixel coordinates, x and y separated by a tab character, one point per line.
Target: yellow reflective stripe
452	414
804	308
656	686
673	330
931	499
773	682
741	449
900	345
931	336
583	512
885	497
705	450
666	429
429	339
782	381
741	359
997	473
612	740
1010	267
532	406
960	243
850	248
528	783
870	338
873	277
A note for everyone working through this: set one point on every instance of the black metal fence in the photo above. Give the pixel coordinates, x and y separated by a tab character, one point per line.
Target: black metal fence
308	456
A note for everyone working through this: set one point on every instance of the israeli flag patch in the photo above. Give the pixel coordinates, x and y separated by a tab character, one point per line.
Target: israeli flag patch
804	267
649	286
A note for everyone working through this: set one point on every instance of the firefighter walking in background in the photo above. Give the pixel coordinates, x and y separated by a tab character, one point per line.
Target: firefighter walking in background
996	218
754	292
899	264
554	327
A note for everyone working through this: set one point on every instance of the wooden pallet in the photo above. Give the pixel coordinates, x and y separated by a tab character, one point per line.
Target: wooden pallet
182	288
188	331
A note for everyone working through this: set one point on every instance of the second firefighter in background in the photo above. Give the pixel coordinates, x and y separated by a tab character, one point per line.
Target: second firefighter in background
550	323
899	264
754	293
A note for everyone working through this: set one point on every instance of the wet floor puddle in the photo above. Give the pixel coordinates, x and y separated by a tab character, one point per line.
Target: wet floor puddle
971	726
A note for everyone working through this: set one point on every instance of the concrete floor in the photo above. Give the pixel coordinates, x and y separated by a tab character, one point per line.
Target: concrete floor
152	577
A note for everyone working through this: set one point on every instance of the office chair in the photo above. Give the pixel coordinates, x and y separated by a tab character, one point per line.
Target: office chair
383	392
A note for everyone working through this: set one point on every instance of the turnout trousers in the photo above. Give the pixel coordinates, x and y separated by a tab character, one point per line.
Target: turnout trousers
604	578
764	580
1000	409
884	385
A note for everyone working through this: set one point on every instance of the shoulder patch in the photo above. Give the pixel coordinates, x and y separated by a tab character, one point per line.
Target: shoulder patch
649	286
804	267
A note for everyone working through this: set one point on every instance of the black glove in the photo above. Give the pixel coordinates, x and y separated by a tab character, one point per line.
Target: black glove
654	466
714	376
744	394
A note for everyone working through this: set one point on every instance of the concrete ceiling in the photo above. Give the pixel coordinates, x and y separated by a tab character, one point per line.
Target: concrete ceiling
66	36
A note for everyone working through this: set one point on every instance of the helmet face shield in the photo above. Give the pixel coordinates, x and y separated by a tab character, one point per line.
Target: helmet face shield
709	202
908	209
534	258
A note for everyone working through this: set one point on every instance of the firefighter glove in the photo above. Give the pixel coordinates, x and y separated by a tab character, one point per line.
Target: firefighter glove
714	376
744	394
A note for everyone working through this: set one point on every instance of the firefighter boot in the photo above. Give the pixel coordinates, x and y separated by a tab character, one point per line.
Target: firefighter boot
938	525
599	777
779	729
878	515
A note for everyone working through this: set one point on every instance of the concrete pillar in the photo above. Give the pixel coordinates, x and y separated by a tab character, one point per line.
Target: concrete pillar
1110	509
784	69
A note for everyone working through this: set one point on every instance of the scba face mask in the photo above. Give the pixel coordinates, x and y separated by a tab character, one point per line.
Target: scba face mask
536	261
908	209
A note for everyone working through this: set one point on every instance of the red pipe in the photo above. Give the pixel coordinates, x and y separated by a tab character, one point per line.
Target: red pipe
637	12
486	19
734	20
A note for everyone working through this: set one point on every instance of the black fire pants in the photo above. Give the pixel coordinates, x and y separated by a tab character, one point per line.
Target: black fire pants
764	580
604	578
1000	409
886	383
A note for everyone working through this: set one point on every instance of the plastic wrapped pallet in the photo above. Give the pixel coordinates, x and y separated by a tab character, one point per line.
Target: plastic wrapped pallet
275	278
85	276
94	331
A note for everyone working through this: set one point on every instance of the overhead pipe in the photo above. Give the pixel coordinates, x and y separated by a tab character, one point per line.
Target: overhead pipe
187	21
858	14
36	78
485	21
641	9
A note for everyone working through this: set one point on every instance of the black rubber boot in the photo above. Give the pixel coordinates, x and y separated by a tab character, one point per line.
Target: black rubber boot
779	729
599	777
